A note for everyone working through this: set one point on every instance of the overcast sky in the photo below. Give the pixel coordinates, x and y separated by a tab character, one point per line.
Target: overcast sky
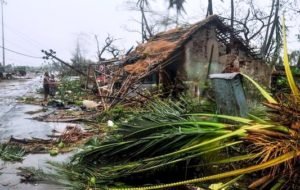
32	25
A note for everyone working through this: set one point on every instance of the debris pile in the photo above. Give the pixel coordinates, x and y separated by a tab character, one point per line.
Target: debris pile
74	134
71	136
33	145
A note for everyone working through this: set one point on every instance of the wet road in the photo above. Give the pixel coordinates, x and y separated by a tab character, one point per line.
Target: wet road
15	122
13	118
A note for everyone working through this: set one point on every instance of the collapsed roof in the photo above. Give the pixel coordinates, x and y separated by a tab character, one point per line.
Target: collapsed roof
162	48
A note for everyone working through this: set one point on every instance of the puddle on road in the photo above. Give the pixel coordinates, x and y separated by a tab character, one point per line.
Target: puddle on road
15	122
19	124
10	180
13	118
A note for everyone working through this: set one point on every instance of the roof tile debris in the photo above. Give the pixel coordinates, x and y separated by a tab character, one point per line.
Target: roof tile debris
151	53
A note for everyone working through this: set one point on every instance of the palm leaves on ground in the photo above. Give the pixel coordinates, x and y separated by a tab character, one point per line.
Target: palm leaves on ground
11	152
168	136
154	140
159	140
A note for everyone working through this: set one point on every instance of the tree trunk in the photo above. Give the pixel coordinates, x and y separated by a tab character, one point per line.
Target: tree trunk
209	8
232	14
142	28
231	21
145	26
264	46
274	25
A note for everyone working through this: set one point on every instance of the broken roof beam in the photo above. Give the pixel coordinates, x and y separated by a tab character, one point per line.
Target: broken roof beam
156	68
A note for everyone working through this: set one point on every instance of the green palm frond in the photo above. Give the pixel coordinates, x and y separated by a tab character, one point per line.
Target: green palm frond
265	94
11	152
276	161
286	64
168	138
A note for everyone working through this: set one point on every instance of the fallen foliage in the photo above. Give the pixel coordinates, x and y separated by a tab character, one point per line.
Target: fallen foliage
11	152
72	136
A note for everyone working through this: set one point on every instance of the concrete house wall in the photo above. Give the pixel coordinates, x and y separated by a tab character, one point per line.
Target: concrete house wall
196	62
197	57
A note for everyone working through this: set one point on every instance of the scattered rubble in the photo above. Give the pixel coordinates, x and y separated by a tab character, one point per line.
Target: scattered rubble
71	137
74	134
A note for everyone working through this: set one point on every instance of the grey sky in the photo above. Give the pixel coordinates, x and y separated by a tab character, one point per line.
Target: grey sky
35	24
32	25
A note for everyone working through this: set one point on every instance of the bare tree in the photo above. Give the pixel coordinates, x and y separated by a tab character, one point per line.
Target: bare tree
107	47
258	26
77	55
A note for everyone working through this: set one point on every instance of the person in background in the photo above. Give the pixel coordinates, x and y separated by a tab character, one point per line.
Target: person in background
46	85
52	86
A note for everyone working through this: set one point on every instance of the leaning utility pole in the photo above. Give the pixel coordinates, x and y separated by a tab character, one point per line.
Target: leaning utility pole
3	44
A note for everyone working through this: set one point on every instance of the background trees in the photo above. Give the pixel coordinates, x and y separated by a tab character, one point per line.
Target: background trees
256	21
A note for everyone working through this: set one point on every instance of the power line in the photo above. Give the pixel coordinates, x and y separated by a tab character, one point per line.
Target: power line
24	36
19	47
23	54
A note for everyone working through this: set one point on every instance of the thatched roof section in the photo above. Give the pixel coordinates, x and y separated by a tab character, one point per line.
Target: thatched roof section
162	47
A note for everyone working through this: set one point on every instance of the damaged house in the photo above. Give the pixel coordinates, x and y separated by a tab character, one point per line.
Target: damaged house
182	58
